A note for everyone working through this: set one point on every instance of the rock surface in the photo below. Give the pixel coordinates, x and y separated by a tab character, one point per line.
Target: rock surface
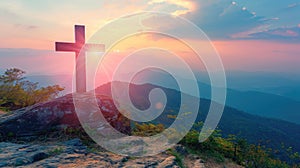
73	154
57	114
2	112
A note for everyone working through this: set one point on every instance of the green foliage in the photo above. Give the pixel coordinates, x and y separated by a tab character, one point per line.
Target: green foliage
10	134
239	150
12	76
16	92
147	129
219	148
171	116
178	158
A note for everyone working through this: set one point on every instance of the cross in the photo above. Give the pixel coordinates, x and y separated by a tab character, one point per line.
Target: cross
76	47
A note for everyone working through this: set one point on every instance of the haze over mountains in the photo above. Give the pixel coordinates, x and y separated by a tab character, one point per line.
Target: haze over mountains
282	84
250	101
248	92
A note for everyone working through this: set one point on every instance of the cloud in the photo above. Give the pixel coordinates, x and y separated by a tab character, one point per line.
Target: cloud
293	5
183	6
218	19
26	27
224	18
227	19
37	24
230	20
288	34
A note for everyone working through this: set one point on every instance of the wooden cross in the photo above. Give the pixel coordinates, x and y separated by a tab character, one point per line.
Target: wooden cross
79	47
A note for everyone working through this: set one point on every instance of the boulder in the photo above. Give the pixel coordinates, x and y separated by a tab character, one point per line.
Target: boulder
59	114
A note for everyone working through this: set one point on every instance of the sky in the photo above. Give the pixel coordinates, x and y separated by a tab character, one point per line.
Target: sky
249	35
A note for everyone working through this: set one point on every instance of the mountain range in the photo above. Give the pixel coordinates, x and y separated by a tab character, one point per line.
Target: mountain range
250	101
273	133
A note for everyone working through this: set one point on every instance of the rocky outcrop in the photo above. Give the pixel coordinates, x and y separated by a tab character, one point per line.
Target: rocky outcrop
73	153
57	114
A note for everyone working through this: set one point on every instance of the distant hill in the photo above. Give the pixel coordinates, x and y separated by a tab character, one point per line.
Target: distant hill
271	132
276	83
285	84
253	102
264	104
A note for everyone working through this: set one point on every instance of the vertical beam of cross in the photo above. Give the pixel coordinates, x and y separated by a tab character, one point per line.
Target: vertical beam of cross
79	47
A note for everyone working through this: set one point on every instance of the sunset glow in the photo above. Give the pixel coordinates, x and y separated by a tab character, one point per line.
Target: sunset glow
263	43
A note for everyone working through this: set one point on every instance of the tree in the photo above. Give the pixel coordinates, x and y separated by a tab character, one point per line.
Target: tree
12	76
17	92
